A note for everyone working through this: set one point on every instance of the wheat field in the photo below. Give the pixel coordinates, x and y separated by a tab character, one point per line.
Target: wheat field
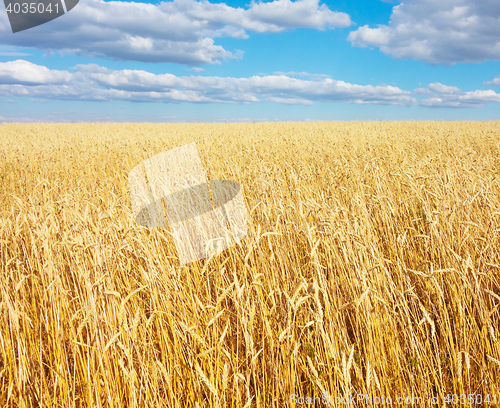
371	267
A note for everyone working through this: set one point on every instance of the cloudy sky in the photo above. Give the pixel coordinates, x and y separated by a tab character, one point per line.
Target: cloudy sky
233	61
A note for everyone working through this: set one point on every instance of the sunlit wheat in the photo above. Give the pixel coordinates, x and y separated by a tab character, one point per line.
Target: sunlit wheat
371	265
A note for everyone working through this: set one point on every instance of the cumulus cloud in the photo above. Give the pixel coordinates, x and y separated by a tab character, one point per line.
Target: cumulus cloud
442	96
494	82
437	87
290	101
96	83
22	72
178	31
438	32
303	13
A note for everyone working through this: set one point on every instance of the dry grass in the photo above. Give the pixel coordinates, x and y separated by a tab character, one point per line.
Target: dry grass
371	266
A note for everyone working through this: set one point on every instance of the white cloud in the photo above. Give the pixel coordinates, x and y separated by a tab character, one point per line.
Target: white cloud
437	87
290	101
437	32
96	83
422	91
178	31
23	72
494	82
442	96
304	13
365	36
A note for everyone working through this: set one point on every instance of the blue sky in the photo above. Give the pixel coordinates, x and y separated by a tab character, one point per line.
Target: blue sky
281	60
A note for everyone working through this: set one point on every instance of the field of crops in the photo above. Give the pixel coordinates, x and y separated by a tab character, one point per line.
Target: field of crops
371	266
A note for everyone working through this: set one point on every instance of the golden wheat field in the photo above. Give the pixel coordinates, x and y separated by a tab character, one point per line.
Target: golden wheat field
371	269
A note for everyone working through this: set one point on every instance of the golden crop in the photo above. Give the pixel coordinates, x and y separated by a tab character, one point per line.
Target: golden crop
371	266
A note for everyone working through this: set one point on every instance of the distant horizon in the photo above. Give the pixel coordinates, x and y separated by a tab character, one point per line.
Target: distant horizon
242	122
